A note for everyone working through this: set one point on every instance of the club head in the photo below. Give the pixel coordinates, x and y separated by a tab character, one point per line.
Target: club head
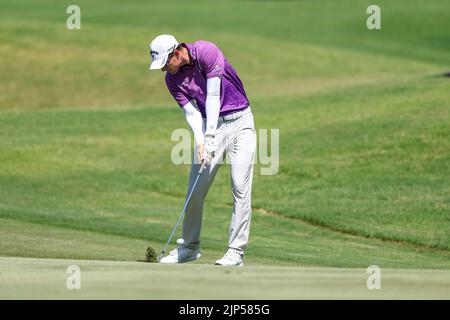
160	256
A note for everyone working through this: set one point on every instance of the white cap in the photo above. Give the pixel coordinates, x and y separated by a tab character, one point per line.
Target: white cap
160	48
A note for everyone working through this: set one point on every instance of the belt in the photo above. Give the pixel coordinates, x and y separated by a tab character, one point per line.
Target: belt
234	115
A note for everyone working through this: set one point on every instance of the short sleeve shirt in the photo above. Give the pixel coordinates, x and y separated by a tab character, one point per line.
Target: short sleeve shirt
207	61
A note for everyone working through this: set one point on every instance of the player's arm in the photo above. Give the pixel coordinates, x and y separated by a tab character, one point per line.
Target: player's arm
212	107
212	62
193	116
195	121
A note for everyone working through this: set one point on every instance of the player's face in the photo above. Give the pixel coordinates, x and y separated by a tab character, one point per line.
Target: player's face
173	62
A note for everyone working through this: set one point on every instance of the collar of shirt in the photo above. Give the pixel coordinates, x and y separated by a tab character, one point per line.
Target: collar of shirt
191	52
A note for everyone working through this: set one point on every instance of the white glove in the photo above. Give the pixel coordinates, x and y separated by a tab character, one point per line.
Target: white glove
210	144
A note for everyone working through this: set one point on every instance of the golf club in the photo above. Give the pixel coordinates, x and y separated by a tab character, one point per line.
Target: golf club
184	208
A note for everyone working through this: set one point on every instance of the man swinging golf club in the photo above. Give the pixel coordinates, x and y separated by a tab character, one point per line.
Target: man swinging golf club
212	96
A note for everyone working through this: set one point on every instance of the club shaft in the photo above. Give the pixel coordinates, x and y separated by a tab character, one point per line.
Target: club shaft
184	208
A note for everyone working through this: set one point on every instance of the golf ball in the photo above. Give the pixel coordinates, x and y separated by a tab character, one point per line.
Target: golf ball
180	241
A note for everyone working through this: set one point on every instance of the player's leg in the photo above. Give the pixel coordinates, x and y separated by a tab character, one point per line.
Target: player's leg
192	222
193	217
241	155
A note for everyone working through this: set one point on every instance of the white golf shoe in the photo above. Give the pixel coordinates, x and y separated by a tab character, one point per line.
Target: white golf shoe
182	254
231	258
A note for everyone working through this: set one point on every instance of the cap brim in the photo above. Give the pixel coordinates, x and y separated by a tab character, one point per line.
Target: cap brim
158	64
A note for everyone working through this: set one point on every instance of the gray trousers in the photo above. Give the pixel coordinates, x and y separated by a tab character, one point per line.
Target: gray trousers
237	139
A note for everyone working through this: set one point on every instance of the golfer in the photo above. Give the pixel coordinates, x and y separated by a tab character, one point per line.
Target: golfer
214	102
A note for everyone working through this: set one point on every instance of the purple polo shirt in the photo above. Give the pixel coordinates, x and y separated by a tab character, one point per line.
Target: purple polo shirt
207	61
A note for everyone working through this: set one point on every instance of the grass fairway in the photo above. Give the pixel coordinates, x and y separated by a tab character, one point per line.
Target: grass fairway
363	179
46	279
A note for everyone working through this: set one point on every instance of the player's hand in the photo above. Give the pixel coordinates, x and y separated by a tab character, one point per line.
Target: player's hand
201	152
210	144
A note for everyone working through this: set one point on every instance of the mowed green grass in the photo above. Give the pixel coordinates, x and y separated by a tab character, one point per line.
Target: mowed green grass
49	278
85	170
